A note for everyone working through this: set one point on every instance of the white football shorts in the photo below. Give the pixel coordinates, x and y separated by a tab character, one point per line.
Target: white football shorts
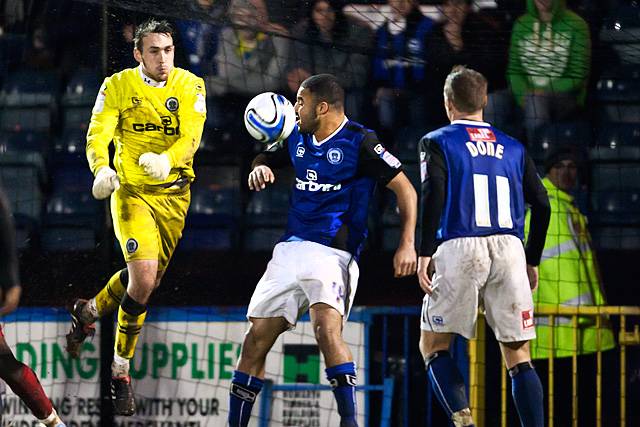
301	274
487	272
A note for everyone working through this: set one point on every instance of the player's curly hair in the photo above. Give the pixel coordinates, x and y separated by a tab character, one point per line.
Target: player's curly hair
148	27
466	88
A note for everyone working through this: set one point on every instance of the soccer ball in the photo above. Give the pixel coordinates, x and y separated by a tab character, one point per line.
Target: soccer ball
269	117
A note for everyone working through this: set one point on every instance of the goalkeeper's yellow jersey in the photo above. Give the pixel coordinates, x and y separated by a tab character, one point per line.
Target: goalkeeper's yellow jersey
140	117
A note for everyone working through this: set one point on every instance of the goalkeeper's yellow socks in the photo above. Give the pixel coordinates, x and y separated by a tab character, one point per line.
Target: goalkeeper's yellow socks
109	297
131	317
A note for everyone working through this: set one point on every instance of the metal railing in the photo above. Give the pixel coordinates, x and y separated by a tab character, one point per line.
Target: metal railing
477	363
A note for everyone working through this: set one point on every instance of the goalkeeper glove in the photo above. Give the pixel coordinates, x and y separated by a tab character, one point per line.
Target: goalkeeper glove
157	166
105	183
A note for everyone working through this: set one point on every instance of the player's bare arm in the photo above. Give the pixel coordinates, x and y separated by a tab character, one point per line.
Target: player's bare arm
405	258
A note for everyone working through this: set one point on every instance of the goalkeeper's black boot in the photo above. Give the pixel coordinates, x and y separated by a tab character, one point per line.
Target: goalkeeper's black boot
80	329
122	397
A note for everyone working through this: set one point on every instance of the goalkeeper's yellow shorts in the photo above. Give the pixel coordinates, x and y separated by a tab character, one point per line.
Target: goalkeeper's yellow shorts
148	223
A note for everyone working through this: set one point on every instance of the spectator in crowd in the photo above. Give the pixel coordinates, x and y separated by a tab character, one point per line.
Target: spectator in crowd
466	37
568	276
249	61
549	63
399	66
569	273
199	38
330	42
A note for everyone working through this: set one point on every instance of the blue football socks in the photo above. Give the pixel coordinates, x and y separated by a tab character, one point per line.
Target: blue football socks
242	396
448	385
343	381
526	390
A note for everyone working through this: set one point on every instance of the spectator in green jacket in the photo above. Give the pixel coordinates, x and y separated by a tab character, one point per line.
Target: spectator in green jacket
549	62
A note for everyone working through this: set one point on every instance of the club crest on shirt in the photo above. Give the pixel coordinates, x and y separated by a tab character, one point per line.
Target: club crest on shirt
172	104
335	156
132	245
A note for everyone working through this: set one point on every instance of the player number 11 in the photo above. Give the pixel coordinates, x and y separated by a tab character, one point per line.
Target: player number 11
481	198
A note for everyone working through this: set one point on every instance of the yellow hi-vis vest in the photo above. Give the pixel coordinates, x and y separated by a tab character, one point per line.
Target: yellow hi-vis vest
568	276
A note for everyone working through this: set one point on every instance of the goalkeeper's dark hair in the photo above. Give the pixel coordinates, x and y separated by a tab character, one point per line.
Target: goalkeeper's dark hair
325	88
148	27
466	88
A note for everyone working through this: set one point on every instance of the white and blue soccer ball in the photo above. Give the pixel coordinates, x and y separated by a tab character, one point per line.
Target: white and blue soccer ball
269	117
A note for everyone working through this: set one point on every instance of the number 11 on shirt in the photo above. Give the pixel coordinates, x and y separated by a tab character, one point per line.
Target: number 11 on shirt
483	206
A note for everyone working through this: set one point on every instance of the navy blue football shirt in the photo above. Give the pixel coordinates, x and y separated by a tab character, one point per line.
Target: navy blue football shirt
485	171
334	181
475	182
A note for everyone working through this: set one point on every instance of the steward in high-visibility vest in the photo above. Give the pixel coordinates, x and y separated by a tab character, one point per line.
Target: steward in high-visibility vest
568	276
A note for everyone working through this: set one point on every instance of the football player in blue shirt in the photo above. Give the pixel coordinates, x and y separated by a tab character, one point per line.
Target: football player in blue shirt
476	181
314	267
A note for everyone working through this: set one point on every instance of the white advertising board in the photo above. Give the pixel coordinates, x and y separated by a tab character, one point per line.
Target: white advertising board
181	370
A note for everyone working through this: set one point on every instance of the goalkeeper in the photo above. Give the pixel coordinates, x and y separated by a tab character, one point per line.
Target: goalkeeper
154	114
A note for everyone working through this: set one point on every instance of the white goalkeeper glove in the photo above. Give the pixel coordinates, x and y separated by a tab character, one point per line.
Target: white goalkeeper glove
157	166
105	183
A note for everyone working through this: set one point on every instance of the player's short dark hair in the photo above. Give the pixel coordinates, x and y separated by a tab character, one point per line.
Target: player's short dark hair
466	88
325	88
148	27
